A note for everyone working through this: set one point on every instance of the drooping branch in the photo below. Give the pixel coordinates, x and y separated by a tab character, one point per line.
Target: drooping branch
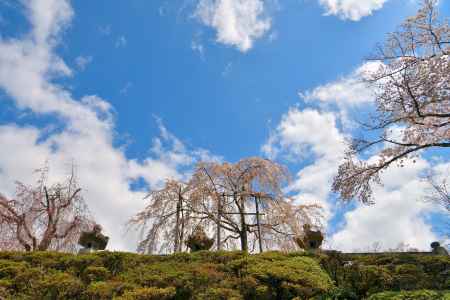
412	98
44	217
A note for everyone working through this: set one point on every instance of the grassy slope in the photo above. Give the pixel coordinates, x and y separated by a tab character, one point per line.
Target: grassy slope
221	275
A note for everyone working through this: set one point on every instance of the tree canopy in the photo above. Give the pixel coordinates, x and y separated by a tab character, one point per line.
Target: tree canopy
44	217
242	202
412	98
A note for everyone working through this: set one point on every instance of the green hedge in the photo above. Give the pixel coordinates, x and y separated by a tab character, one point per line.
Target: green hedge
359	276
221	275
202	275
411	295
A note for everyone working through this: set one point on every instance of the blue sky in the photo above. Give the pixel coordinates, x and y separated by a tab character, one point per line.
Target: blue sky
137	91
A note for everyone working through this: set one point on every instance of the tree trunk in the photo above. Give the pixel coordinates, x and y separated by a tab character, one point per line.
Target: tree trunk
219	213
177	227
259	224
244	238
243	233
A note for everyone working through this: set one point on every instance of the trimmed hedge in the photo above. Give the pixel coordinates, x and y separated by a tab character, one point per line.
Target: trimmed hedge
124	276
359	276
412	295
221	275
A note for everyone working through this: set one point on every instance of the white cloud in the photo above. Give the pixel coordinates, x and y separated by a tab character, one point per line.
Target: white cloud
344	95
198	47
86	137
399	215
396	217
349	90
82	62
237	22
48	18
353	10
309	134
301	132
104	172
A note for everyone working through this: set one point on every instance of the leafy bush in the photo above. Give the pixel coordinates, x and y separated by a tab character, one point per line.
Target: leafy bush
60	286
219	294
365	280
151	293
290	277
107	290
411	295
94	273
219	275
359	276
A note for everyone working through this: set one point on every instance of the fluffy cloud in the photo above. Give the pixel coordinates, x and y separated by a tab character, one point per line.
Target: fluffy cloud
240	23
351	9
237	22
298	134
84	131
396	218
309	134
105	174
82	62
345	94
399	216
347	91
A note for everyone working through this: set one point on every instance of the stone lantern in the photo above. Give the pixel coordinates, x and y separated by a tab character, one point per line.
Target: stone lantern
198	240
93	240
311	240
438	249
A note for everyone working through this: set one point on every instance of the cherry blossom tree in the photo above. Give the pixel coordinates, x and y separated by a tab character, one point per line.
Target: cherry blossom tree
412	97
44	217
241	203
166	220
246	201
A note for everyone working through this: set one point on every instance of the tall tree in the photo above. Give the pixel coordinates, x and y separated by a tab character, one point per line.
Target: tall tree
246	200
44	217
241	202
166	220
412	96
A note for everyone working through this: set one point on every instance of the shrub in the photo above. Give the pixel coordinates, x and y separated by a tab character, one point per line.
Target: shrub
365	280
113	261
219	275
94	273
149	294
411	295
219	294
408	277
291	277
106	290
60	286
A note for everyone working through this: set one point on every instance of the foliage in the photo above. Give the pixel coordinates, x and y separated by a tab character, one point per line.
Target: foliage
411	82
200	275
237	196
150	293
415	295
43	217
165	221
358	276
218	275
230	199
